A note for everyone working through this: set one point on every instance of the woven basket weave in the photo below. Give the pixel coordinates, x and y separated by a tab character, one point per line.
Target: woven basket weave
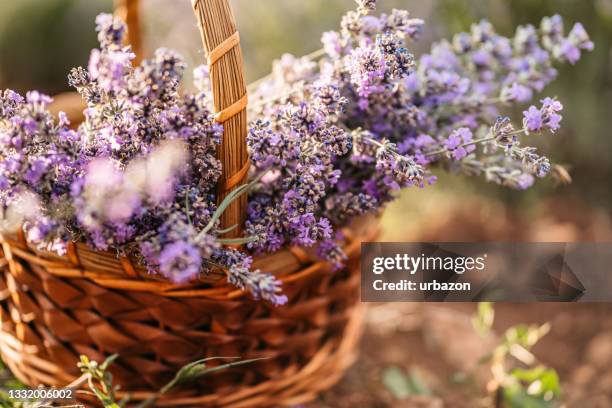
54	308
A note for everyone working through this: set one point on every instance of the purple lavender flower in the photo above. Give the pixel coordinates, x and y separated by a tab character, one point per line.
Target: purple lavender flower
337	140
365	6
580	38
399	21
261	285
551	118
201	78
111	30
332	45
328	97
569	49
367	68
180	262
333	253
547	117
268	148
552	27
403	170
456	143
37	98
566	49
523	181
310	230
516	93
533	120
10	101
342	207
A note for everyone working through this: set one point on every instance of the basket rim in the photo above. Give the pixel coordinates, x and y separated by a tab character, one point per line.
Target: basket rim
109	270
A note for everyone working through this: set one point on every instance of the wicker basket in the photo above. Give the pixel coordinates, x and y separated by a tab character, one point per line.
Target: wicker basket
55	308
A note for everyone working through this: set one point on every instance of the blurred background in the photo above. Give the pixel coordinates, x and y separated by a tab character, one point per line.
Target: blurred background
40	40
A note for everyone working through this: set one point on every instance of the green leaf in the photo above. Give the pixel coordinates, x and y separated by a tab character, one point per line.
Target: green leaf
402	385
7	402
418	385
199	368
526	336
124	401
239	241
14	384
459	378
190	372
396	381
233	195
516	397
109	360
224	204
228	229
550	382
485	358
528	375
99	394
483	320
228	365
541	381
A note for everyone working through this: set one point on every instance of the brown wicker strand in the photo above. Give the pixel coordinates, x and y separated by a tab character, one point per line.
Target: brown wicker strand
218	28
238	177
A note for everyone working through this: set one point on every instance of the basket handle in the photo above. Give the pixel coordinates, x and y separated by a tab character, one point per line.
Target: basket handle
222	44
224	57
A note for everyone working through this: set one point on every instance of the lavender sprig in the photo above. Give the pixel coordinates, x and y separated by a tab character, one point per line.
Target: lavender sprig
403	116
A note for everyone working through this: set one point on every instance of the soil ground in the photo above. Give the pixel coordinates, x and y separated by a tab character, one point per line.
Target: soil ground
438	341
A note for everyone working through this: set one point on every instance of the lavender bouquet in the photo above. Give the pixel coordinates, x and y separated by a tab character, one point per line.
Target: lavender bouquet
334	135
